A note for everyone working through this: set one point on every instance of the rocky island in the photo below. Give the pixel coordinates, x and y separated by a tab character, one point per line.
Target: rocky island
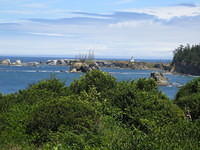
186	60
83	67
159	78
77	65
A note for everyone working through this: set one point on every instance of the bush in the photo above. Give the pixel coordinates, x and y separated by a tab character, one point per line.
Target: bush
144	106
75	116
146	85
188	98
52	85
102	81
182	135
41	91
191	87
12	129
98	113
7	101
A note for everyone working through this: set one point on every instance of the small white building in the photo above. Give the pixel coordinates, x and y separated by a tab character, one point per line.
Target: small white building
132	60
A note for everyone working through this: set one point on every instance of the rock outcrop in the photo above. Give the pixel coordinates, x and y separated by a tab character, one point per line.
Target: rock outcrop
83	67
140	66
134	65
160	79
185	68
162	66
78	66
5	62
62	62
17	63
52	62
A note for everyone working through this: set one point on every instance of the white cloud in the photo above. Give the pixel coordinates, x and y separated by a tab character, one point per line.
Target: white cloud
130	24
169	12
47	34
121	34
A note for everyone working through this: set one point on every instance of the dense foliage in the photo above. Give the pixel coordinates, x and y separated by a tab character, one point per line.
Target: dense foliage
188	98
187	54
187	59
96	113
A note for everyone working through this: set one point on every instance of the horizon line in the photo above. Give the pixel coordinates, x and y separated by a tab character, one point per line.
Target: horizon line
72	56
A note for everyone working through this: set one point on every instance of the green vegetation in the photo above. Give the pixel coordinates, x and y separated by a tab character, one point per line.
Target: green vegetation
98	113
187	54
187	59
188	98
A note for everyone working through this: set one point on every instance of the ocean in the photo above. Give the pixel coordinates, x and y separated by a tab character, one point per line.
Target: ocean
14	78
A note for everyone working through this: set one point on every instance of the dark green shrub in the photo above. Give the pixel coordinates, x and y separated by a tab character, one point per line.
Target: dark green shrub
146	85
191	87
190	105
188	98
52	85
75	116
7	101
182	135
102	81
12	128
141	108
41	91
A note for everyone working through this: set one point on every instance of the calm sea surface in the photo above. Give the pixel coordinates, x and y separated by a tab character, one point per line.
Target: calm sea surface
13	78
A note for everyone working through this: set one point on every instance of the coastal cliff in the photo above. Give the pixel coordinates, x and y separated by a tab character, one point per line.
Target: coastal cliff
187	60
190	69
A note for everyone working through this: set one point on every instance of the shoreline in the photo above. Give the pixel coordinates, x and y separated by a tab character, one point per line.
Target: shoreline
116	64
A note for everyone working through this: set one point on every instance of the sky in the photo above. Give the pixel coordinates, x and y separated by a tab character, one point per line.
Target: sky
146	29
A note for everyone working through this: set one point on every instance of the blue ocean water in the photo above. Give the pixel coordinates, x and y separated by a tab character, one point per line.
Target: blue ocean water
30	59
14	78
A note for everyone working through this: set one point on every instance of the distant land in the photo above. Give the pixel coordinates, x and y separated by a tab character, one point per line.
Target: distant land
141	64
96	57
187	60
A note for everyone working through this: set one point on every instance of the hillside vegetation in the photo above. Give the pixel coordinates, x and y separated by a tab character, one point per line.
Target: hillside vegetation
187	59
98	113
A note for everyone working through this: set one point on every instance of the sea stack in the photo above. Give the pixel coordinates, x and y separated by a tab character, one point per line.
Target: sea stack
83	67
160	79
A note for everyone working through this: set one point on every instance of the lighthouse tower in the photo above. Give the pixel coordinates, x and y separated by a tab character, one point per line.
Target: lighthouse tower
132	60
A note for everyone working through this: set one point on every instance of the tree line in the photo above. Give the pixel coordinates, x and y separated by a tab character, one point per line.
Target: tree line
187	54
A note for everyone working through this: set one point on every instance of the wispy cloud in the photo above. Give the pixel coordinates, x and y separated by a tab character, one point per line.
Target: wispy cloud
140	32
94	18
47	34
169	12
187	4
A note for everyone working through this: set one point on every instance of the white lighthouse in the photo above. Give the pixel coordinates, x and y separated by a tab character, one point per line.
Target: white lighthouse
132	60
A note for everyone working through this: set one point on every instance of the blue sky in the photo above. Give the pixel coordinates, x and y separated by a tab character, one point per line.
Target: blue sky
111	28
